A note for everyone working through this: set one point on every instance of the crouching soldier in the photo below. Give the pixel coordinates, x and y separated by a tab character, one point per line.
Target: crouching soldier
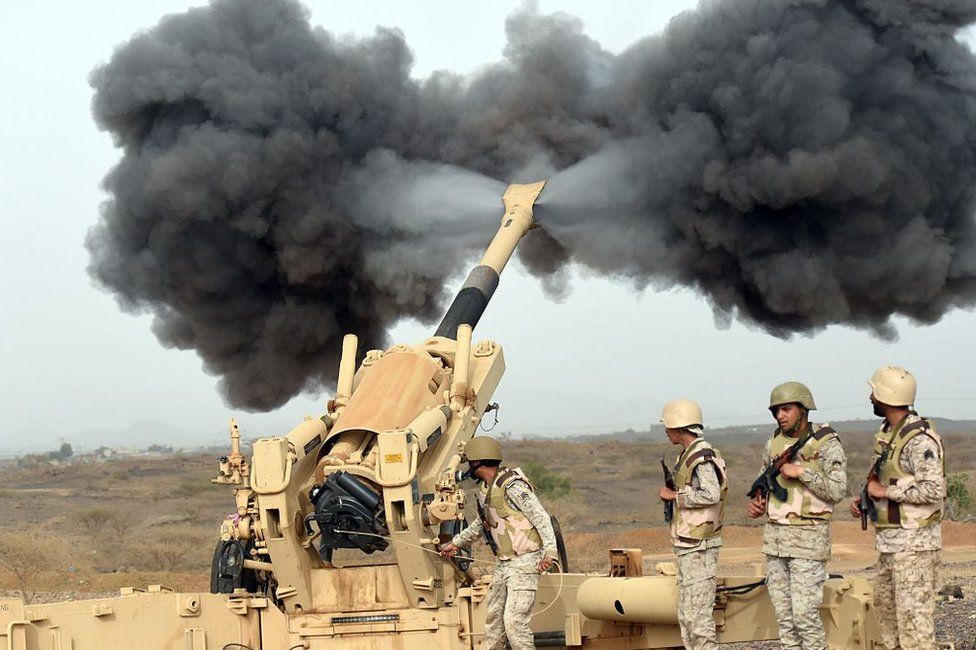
520	533
700	487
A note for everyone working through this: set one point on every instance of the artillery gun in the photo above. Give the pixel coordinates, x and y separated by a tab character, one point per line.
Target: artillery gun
332	542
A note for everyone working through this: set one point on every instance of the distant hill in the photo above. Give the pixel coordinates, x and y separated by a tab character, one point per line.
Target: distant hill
139	434
143	433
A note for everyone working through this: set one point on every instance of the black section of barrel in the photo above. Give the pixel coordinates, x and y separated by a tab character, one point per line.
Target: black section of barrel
470	302
350	484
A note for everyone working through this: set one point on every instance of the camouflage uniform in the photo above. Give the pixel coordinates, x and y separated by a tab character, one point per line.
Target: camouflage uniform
697	564
908	558
796	555
515	580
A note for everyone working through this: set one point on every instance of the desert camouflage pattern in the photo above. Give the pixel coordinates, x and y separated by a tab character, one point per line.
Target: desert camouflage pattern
511	529
803	542
825	478
796	539
519	496
704	490
515	580
696	598
698	514
795	587
914	474
904	599
825	463
508	607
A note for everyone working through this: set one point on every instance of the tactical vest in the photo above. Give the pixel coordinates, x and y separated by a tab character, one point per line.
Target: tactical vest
801	507
905	515
510	529
690	526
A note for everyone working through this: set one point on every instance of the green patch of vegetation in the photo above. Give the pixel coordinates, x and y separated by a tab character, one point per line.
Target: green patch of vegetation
959	500
546	482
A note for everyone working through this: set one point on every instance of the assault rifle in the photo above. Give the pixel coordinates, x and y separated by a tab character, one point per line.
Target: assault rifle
867	503
766	482
489	540
669	482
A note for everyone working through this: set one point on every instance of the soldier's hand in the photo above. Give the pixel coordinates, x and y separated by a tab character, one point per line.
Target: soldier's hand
448	550
791	470
856	508
545	563
757	507
876	490
667	494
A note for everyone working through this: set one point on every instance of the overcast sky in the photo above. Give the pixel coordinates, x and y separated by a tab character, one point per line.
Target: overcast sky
607	357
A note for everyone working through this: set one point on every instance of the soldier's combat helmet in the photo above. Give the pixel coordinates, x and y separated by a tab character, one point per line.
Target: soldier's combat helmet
893	386
482	448
682	414
790	392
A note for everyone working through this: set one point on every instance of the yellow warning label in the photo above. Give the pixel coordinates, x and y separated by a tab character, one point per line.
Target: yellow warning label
393	458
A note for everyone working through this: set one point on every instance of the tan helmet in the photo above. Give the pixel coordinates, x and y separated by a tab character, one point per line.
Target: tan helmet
789	392
893	386
482	448
681	413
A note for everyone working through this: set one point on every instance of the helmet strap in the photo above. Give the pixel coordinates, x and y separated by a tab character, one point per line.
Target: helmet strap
801	422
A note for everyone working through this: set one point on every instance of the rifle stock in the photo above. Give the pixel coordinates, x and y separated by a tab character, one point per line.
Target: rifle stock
669	482
489	540
867	507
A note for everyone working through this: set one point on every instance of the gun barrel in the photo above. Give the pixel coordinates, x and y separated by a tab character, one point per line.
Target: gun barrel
470	302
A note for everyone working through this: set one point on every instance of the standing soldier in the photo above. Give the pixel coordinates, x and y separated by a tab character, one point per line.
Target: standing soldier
796	539
521	536
700	486
906	487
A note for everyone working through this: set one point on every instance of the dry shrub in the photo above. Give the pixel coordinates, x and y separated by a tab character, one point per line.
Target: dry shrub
122	522
93	520
26	554
172	549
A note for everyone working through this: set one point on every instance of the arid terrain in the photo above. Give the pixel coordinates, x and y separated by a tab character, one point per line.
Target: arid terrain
90	526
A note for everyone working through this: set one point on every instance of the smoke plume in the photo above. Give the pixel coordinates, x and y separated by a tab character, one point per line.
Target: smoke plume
801	163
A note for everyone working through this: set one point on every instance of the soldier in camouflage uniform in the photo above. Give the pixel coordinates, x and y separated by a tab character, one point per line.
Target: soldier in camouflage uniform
796	538
907	494
700	487
520	534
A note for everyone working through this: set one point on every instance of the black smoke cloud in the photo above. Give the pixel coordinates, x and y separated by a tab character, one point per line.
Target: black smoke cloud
800	163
